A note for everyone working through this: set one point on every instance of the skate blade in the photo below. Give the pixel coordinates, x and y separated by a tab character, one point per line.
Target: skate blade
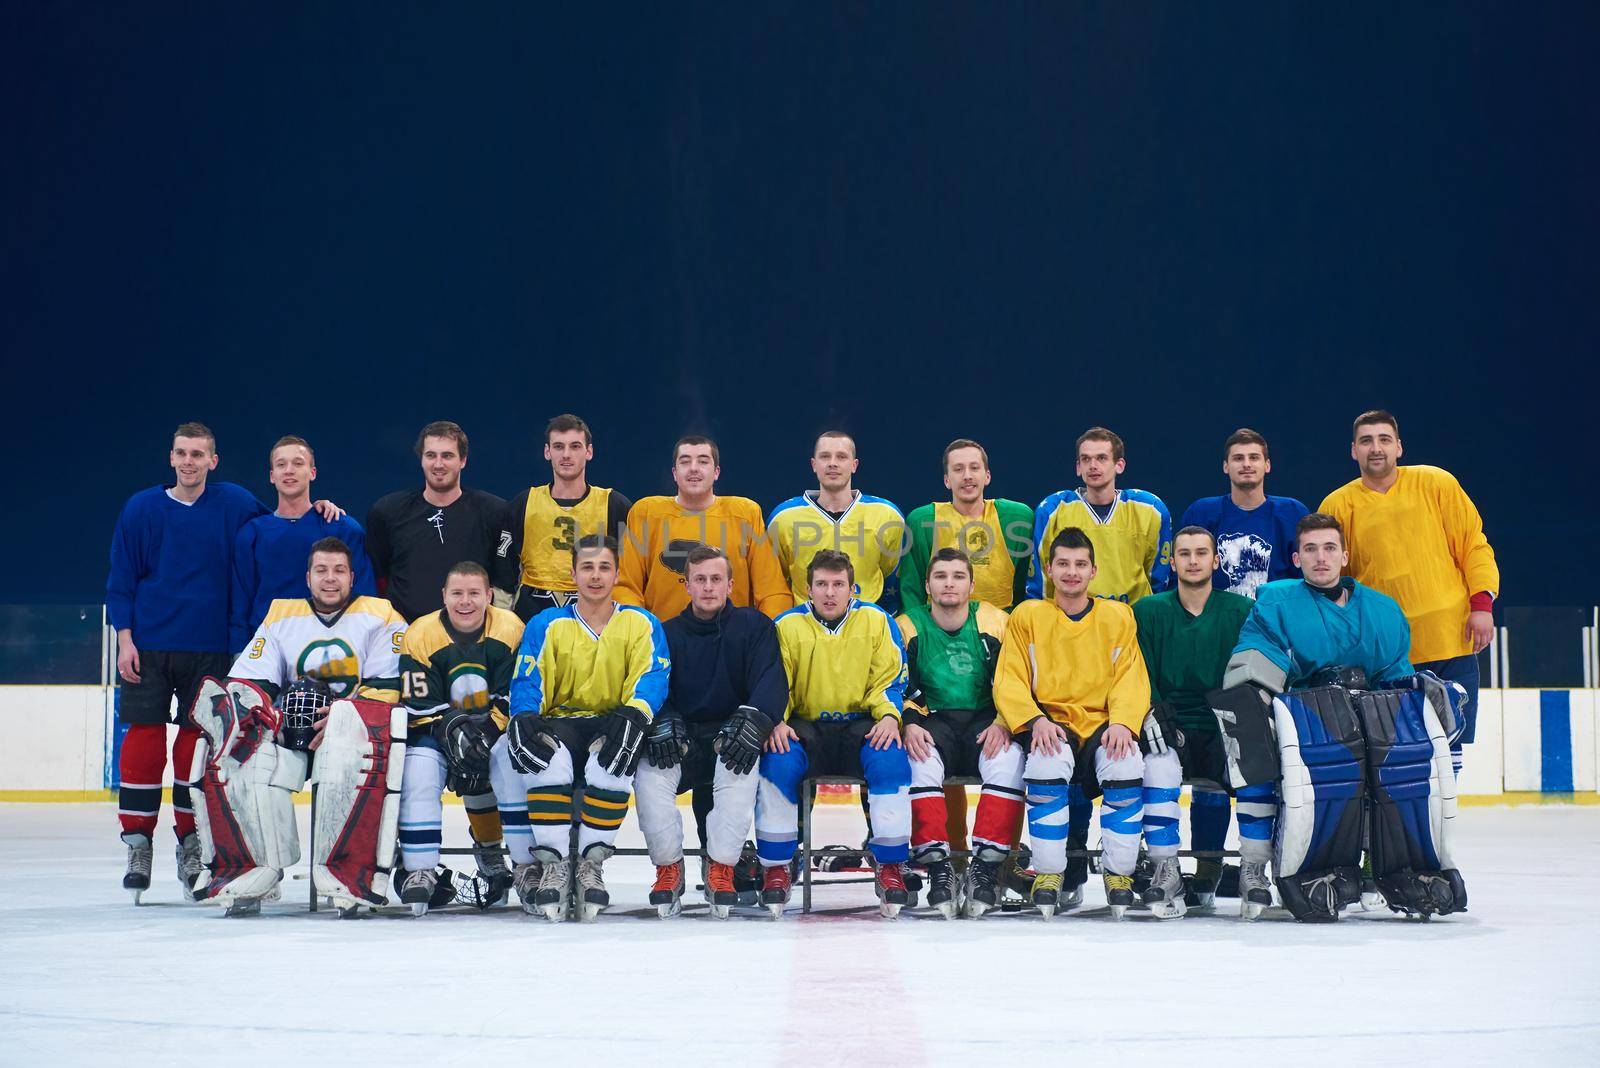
351	912
720	911
1168	910
947	909
236	908
1373	902
1048	912
976	909
419	908
666	912
776	908
554	913
138	897
1249	910
1071	899
889	910
1117	912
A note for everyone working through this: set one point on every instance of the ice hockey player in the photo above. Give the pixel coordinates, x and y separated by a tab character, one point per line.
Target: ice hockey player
332	662
1071	682
847	676
837	517
952	644
455	680
726	690
590	677
1254	531
167	597
1320	693
1132	535
1186	635
661	531
534	556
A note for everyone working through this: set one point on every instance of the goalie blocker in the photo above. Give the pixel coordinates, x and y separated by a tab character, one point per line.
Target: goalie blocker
248	781
1352	764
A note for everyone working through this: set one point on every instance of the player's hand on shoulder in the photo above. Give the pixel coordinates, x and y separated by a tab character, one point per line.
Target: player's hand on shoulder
329	511
885	733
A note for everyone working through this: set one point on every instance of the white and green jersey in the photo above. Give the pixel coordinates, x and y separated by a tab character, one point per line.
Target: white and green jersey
356	652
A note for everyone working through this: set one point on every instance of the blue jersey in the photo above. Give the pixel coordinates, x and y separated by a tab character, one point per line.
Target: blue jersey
1255	546
172	567
270	556
1304	632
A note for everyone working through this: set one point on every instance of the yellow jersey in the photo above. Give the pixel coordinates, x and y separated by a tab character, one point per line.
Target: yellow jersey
1081	673
872	532
853	667
660	534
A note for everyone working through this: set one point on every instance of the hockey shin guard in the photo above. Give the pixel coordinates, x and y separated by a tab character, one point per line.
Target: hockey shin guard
1121	810
929	813
728	823
888	775
141	767
605	805
1163	782
778	804
1000	805
183	747
422	808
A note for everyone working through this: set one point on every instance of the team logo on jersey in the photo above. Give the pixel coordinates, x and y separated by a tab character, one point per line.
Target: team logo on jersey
675	557
1246	560
976	541
958	658
469	687
332	661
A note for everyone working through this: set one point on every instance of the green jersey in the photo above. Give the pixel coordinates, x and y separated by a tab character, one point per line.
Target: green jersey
1186	655
950	670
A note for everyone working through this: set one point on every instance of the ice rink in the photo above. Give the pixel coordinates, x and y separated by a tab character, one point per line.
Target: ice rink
89	979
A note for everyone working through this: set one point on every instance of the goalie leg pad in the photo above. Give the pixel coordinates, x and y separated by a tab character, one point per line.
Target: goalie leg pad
1245	718
1318	856
248	833
358	772
1413	810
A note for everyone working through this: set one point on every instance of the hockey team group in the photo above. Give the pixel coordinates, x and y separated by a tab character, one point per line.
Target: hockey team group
554	658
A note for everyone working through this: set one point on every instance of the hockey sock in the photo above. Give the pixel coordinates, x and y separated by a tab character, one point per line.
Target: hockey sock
999	817
1047	825
888	775
1121	813
1079	809
141	768
483	819
182	762
1210	812
1163	782
1258	813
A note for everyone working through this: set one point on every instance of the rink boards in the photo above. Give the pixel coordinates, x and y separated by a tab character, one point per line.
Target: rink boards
61	743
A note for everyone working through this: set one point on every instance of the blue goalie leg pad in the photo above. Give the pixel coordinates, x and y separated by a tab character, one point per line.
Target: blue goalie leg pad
1413	803
1323	756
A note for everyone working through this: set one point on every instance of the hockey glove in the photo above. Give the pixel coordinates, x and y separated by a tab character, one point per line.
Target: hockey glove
1161	730
466	738
619	747
669	742
530	748
740	740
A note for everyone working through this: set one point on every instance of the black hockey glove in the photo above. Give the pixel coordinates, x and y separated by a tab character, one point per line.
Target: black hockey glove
740	740
669	742
466	738
624	734
530	748
1161	730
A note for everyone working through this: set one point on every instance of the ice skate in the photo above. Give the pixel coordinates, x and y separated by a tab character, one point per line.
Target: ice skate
1372	899
775	885
721	894
1119	893
190	869
667	893
890	884
983	883
1164	895
1075	876
416	890
525	880
1255	889
942	888
1046	894
1201	891
137	877
592	894
555	888
496	876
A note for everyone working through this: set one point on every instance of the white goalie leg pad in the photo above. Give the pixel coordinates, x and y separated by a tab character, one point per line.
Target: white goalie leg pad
358	774
1442	799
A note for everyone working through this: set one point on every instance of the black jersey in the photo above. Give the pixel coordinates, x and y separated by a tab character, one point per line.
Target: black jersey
414	544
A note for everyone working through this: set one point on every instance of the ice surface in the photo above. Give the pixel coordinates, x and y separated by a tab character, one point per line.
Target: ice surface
86	978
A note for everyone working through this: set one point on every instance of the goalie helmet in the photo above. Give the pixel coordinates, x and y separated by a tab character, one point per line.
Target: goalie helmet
301	702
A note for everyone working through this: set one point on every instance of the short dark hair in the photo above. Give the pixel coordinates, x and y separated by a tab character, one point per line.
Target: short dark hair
951	555
470	569
830	560
1316	521
1372	416
291	439
696	439
195	430
565	422
701	553
1245	436
1192	529
1099	433
594	541
964	443
443	428
330	545
834	434
1072	538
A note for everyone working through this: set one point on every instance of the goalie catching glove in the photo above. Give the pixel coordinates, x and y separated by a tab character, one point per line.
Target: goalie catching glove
618	748
530	749
740	740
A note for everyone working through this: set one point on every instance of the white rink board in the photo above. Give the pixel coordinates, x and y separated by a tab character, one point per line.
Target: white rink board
90	980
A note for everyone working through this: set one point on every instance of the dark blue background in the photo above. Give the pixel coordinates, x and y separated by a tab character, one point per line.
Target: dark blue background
918	221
